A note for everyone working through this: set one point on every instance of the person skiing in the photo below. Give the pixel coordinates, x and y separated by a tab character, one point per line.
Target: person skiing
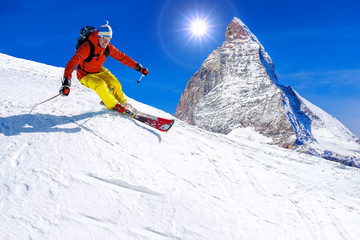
93	75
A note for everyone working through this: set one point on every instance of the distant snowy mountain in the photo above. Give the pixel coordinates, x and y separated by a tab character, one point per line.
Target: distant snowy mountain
73	170
236	87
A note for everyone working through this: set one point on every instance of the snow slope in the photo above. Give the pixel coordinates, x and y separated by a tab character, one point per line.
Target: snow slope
73	170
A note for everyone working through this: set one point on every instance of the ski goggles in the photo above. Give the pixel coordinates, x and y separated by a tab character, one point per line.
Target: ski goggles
105	38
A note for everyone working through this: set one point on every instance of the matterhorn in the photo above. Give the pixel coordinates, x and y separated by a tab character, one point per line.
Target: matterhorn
237	88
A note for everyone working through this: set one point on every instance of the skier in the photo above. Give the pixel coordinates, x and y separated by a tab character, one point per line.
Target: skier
93	75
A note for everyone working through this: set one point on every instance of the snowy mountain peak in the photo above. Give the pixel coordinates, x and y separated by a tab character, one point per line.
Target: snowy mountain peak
236	87
236	30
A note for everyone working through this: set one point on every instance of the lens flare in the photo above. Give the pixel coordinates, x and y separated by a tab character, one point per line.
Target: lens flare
199	27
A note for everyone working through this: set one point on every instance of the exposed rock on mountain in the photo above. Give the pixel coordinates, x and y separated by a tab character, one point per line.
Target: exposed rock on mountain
236	87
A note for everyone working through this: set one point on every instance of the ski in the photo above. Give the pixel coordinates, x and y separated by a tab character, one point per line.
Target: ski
161	124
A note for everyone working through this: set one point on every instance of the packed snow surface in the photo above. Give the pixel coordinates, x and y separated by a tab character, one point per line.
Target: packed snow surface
73	170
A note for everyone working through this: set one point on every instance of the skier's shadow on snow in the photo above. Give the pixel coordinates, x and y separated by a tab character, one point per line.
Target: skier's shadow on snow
32	123
46	123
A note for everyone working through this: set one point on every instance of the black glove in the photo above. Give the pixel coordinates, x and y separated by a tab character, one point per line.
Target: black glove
65	88
139	68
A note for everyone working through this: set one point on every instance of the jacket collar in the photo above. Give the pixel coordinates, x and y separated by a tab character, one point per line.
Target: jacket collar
93	37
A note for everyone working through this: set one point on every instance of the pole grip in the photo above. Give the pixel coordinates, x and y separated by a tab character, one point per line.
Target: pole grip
66	90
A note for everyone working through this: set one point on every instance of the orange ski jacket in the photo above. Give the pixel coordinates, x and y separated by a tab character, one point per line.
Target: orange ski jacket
97	61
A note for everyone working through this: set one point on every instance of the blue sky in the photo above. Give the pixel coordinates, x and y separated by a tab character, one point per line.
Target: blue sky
314	44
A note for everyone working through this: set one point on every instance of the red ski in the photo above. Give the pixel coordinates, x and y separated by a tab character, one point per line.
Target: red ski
161	124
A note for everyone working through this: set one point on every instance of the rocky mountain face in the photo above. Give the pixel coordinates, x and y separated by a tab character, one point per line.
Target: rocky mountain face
236	87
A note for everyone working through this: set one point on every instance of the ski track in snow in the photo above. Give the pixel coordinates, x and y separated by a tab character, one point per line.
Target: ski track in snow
72	170
126	185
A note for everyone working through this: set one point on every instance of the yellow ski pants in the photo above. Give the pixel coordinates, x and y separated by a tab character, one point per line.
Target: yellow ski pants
102	82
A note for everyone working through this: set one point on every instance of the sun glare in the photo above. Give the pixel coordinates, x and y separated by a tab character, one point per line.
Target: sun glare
199	27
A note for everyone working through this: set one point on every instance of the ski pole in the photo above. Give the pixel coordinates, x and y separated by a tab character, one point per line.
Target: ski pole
44	102
138	81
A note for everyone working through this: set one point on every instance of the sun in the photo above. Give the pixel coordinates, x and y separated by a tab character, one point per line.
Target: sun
199	27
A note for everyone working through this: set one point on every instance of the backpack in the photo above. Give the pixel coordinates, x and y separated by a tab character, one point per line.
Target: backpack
84	36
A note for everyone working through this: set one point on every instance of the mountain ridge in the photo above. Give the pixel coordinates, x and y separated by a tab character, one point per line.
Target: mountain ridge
237	87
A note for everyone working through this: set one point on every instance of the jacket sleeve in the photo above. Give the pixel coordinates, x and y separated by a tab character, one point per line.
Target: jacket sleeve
79	56
122	57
